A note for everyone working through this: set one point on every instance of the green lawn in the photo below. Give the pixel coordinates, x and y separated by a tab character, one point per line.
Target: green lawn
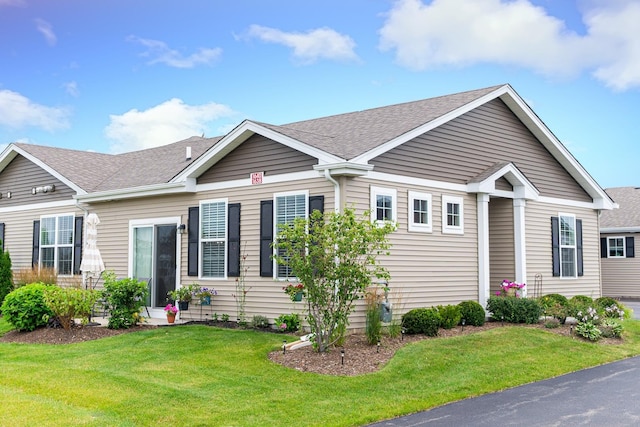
199	375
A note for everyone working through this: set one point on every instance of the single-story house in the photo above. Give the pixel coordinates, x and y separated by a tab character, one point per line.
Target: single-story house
480	189
618	229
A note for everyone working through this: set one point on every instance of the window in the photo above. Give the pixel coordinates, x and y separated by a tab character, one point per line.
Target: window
383	204
568	257
420	212
213	238
452	215
56	243
288	207
616	247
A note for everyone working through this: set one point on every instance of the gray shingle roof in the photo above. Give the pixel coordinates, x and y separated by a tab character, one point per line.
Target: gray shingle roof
628	213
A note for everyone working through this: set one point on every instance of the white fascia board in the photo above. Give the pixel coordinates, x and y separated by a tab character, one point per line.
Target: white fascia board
11	152
522	188
614	230
556	148
240	134
381	149
344	169
45	206
133	192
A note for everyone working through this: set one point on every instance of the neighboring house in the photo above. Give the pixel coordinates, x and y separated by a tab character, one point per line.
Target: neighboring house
480	190
618	230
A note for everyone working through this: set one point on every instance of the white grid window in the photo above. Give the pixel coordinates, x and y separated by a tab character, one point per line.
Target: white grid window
616	247
452	215
568	259
383	204
420	212
213	238
288	207
56	243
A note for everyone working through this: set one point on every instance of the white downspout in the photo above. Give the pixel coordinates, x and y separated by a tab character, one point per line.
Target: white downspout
336	185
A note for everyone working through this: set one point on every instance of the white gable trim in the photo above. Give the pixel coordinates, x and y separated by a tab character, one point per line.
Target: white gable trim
522	188
12	151
240	134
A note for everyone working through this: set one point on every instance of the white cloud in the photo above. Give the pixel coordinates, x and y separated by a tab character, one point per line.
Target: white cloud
165	123
46	30
516	33
18	111
160	52
321	43
72	88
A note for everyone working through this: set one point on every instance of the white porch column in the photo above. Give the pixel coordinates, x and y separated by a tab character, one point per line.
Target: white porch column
520	242
483	248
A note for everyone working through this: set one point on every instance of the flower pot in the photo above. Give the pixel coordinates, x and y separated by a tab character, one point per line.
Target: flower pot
171	318
297	297
511	292
183	305
205	300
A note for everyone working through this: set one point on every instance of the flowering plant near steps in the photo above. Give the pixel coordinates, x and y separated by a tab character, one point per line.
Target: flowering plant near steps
511	288
171	309
292	290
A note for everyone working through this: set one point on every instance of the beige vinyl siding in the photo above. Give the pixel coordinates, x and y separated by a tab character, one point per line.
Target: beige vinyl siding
463	148
501	243
539	256
20	176
258	154
427	269
265	296
621	276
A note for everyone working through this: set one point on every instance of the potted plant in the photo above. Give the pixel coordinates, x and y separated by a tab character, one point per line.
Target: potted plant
205	294
511	289
171	311
295	292
182	296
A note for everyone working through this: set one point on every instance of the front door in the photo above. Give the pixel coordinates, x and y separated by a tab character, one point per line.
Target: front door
154	250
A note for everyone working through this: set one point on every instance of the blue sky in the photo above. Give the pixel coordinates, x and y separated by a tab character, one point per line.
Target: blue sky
119	75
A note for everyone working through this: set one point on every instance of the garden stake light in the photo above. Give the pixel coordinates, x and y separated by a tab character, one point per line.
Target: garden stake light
463	321
284	346
502	320
402	334
342	356
378	349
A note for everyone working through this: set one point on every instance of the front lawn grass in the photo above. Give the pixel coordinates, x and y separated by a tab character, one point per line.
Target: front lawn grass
199	375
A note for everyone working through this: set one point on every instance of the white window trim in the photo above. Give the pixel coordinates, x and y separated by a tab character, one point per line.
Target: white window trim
275	223
450	229
415	226
374	193
574	246
624	246
55	246
224	240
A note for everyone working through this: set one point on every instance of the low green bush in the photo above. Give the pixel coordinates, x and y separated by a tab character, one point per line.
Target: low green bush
579	303
472	313
610	328
68	304
259	322
6	275
125	298
288	322
421	321
514	310
588	330
25	309
373	325
555	305
449	316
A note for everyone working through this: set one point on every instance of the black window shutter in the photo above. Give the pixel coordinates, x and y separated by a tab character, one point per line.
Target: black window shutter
629	243
192	245
35	254
77	244
604	248
579	247
316	203
266	238
555	245
2	236
233	240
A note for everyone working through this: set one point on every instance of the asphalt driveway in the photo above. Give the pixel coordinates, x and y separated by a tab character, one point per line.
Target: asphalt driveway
606	395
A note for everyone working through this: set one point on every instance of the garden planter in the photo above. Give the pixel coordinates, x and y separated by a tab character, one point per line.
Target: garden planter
205	301
297	297
511	292
171	318
183	305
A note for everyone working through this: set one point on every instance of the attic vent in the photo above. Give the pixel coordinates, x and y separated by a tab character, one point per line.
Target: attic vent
188	154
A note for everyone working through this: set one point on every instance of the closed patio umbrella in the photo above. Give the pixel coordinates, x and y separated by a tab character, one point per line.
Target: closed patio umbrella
91	265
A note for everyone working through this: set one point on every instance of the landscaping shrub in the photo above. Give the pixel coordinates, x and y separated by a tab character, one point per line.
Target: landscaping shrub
579	303
6	277
27	275
610	328
288	322
472	313
604	302
421	321
373	318
449	316
70	303
259	322
588	330
555	305
25	309
125	298
514	310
